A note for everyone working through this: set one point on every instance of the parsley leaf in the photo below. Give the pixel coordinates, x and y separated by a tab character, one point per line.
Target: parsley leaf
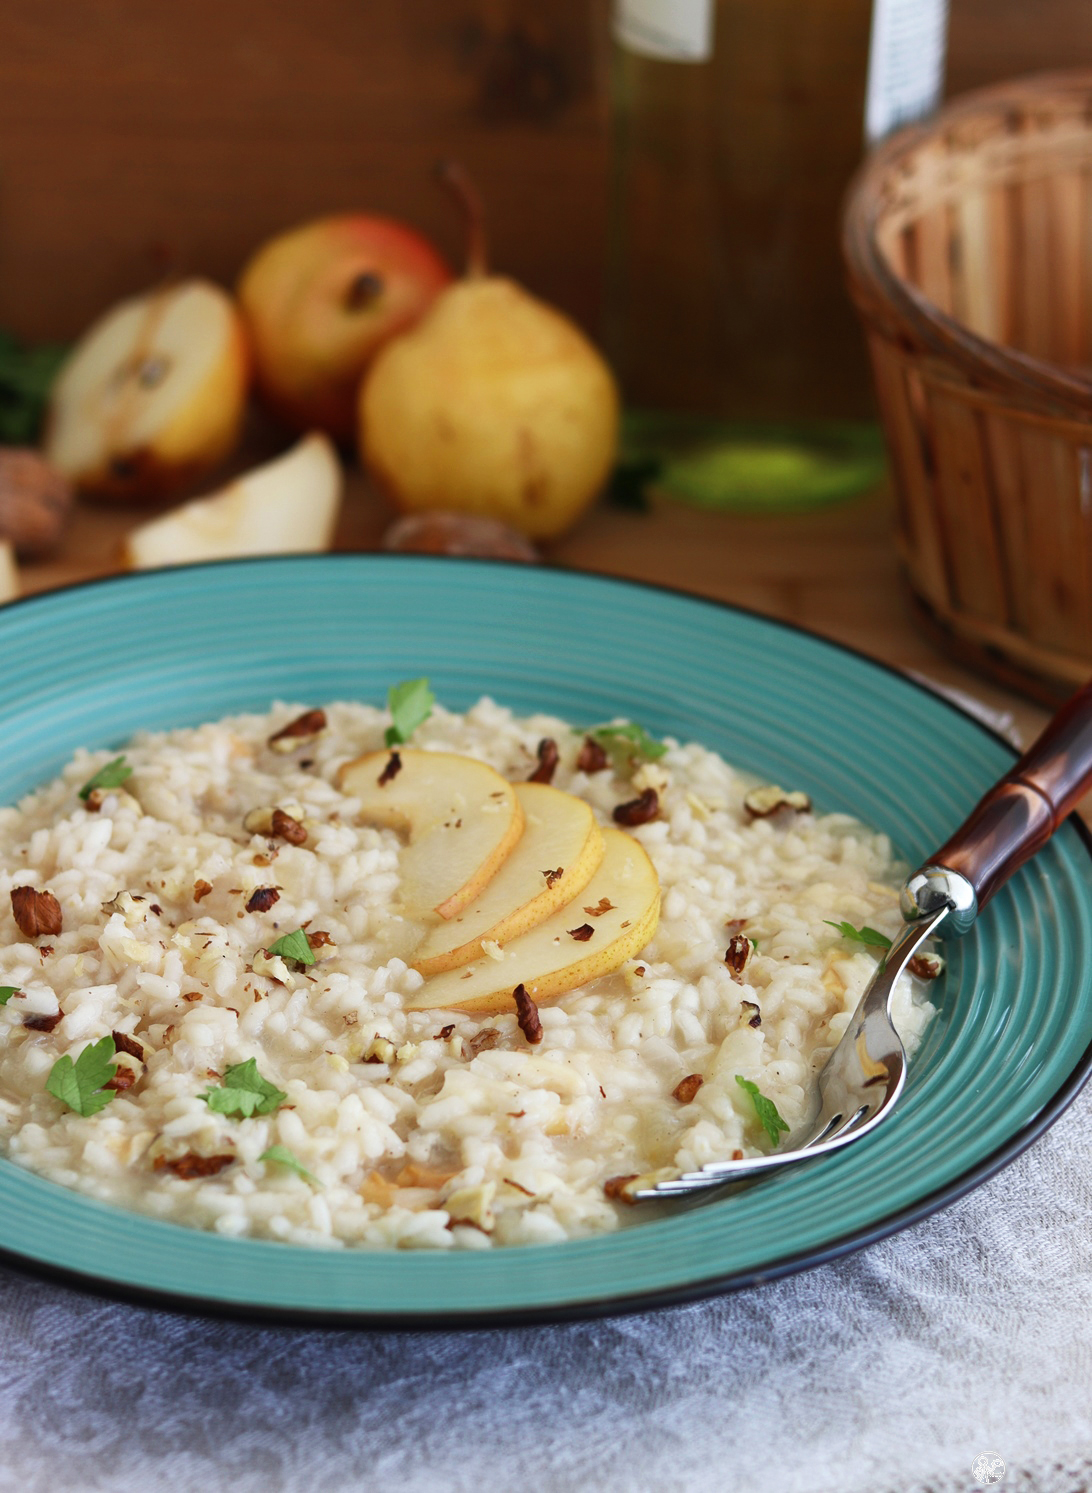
869	936
631	734
111	776
765	1109
410	704
245	1092
26	376
80	1084
293	946
6	993
283	1157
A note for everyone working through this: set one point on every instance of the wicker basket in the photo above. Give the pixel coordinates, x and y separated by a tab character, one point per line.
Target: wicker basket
969	251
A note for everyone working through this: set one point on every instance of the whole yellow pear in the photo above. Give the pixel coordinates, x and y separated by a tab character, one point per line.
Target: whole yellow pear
494	404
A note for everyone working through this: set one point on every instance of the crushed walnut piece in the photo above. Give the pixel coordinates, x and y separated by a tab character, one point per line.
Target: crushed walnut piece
446	1031
305	729
36	913
379	1050
926	966
43	1023
284	827
262	898
583	933
472	1205
320	939
480	1042
548	758
752	1015
685	1091
191	1166
552	876
527	1015
603	905
391	771
615	1187
124	1078
737	956
761	803
129	1045
201	889
640	810
593	757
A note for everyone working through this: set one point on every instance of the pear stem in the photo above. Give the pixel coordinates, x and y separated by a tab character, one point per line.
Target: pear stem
460	183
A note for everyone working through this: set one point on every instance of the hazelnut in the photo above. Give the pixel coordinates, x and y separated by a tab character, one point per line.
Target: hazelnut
34	502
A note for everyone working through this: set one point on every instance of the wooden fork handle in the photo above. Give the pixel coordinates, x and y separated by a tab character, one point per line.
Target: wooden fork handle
1021	812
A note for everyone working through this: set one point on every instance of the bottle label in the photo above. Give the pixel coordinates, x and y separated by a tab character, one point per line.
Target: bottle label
673	30
905	63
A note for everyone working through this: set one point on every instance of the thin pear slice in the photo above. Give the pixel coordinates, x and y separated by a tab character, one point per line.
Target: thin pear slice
558	852
462	820
549	960
288	504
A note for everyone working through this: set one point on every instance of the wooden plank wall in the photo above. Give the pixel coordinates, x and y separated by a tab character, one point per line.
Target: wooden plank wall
136	135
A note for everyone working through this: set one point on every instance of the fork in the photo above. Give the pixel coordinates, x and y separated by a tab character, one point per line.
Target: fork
866	1072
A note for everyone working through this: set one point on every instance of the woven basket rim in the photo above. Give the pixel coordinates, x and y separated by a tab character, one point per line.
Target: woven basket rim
882	295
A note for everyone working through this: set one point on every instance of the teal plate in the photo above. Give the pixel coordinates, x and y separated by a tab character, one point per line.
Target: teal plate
1010	1048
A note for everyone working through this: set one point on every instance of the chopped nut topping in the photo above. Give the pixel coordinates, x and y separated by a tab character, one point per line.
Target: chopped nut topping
273	967
190	1166
492	949
926	966
527	1015
130	905
735	925
508	1182
552	876
124	1078
548	758
651	775
638	810
603	905
583	933
43	1023
379	1050
472	1205
95	800
480	1042
201	889
122	1043
284	827
760	803
593	757
262	898
300	732
686	1089
737	956
446	1031
320	939
754	1018
36	913
44	951
615	1187
191	995
391	771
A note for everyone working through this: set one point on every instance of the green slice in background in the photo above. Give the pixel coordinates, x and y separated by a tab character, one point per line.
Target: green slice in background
745	466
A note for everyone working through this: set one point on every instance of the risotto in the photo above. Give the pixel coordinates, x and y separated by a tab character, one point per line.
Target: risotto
251	1092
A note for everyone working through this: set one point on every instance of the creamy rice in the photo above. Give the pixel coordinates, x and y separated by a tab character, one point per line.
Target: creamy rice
437	1146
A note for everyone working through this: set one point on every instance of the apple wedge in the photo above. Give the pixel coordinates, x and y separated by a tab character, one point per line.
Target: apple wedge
621	905
461	818
558	852
287	505
152	395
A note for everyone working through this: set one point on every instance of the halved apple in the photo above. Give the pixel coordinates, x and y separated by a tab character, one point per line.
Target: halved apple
559	850
153	395
286	505
621	905
461	817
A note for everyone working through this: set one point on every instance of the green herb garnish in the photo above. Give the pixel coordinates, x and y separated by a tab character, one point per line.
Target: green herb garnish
869	936
765	1109
283	1157
6	993
81	1084
111	776
26	377
410	704
245	1092
631	736
293	946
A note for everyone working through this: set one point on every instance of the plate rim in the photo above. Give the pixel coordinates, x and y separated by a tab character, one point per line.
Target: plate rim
720	1283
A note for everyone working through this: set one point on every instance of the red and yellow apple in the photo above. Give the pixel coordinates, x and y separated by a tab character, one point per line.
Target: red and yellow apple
319	302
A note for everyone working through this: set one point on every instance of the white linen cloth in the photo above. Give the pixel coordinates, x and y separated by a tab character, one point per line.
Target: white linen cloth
889	1371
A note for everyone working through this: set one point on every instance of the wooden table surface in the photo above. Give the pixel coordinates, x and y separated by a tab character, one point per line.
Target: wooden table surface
834	571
